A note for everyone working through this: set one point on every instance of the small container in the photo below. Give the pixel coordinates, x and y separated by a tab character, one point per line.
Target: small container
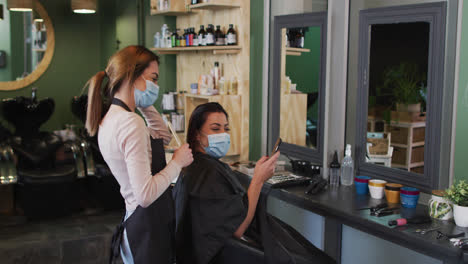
409	197
362	186
232	89
194	88
222	87
376	188
335	171
439	207
392	192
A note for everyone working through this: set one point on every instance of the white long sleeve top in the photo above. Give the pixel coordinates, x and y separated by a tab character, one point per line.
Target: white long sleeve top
124	141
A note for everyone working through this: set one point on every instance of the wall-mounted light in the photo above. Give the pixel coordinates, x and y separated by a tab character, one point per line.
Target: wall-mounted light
84	6
20	5
1	12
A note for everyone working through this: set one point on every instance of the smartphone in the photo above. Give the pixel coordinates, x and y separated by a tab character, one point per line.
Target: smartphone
277	146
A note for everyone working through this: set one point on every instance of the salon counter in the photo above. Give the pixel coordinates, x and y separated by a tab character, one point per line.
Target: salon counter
338	206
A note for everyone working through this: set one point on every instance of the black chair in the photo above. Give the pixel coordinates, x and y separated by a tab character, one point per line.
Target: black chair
45	184
100	184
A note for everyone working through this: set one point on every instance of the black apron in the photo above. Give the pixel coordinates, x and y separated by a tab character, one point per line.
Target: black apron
151	230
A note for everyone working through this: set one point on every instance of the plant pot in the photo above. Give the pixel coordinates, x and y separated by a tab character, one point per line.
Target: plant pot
409	107
439	207
460	214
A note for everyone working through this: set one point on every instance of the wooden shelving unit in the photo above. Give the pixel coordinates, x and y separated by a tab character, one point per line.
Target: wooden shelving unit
214	49
408	140
177	8
295	51
214	6
169	13
234	61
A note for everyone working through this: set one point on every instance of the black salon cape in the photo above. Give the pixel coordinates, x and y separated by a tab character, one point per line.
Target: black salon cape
211	204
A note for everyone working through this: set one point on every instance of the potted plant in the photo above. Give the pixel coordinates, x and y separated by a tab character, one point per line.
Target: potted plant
406	84
458	195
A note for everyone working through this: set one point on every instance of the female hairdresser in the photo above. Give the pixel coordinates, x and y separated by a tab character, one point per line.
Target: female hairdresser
134	153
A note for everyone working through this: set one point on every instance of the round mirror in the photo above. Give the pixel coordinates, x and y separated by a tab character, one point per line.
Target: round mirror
28	49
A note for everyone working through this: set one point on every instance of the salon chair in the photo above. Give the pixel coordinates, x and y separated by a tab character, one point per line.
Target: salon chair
44	188
100	185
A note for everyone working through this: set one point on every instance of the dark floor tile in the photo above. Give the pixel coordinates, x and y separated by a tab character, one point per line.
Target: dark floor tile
89	250
32	253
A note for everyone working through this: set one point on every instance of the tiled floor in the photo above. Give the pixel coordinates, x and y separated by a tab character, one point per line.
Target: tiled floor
77	239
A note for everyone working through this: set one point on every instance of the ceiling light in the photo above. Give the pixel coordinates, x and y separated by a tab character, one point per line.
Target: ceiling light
84	6
20	5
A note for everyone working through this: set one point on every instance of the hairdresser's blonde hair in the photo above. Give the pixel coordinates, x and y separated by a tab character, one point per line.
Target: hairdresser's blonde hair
127	64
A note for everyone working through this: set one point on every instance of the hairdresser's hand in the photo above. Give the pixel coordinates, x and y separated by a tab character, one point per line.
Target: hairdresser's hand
265	167
183	156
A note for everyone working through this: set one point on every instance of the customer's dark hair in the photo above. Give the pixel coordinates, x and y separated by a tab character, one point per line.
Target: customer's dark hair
198	118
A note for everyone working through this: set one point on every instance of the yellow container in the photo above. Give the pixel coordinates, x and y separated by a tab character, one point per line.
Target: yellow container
392	192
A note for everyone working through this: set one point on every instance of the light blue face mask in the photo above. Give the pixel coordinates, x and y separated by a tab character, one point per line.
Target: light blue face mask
147	97
218	145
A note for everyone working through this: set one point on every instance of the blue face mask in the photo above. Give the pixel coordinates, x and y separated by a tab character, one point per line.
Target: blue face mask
218	145
147	97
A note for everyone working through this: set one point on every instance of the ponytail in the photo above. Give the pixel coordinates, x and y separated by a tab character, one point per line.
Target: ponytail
94	109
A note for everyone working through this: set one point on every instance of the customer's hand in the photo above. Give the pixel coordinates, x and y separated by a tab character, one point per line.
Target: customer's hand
183	155
265	167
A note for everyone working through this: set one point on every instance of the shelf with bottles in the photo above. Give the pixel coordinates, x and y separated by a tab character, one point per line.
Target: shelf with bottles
39	50
172	42
214	5
214	49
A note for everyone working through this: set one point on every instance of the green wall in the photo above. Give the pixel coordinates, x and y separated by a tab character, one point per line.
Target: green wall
82	43
307	80
5	43
461	142
256	82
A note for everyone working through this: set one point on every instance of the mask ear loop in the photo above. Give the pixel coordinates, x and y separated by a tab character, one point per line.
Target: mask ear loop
199	141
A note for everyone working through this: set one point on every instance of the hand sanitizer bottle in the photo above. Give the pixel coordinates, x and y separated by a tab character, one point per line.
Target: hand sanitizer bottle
347	167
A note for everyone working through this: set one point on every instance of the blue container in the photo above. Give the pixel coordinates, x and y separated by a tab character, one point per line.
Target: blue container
409	200
362	187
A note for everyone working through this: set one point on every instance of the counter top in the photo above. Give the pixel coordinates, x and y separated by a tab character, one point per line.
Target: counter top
342	204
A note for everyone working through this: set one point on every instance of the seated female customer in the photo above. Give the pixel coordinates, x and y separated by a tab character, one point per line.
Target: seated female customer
212	206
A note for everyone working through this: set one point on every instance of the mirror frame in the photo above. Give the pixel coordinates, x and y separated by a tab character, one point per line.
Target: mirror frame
315	19
45	62
435	14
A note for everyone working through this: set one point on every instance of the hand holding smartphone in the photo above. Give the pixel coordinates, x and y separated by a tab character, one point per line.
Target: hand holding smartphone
276	147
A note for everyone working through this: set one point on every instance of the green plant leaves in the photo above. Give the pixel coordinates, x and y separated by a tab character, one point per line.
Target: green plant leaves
458	193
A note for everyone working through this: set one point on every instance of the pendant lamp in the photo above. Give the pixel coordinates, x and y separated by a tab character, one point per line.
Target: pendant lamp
20	5
84	6
36	17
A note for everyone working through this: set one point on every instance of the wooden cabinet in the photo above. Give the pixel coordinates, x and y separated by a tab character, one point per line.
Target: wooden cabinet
408	145
234	61
293	118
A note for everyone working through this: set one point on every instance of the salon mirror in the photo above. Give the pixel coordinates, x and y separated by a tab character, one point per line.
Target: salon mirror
27	46
400	84
300	79
299	82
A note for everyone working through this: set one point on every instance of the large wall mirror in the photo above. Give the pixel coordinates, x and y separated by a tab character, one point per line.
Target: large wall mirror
400	89
298	90
27	47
